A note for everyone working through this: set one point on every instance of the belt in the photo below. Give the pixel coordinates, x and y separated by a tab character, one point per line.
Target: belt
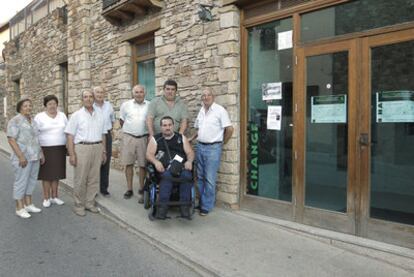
209	143
89	143
142	136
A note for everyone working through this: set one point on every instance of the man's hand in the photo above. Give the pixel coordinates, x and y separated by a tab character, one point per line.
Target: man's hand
103	157
42	158
73	160
22	161
159	167
188	165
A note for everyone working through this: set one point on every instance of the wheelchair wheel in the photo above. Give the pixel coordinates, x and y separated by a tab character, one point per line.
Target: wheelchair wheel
152	198
147	203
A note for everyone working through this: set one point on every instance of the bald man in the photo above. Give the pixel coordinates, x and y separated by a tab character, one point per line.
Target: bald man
214	130
86	146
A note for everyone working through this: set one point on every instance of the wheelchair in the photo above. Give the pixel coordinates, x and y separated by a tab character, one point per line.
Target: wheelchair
151	191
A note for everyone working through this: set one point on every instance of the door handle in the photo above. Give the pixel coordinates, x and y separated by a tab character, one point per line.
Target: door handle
364	139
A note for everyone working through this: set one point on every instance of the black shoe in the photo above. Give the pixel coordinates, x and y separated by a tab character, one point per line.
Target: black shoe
197	207
105	194
203	212
128	194
141	191
162	212
185	212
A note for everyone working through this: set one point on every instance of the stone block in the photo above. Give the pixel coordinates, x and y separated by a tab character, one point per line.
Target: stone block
158	41
229	62
164	50
229	19
229	198
228	48
225	75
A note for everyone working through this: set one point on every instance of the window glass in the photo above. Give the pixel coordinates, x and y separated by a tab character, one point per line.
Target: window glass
270	98
146	77
355	16
327	131
392	132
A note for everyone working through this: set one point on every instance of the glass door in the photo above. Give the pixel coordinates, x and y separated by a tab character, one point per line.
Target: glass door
388	154
269	119
327	114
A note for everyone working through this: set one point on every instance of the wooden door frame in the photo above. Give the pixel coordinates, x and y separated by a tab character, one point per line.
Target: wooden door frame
393	232
310	215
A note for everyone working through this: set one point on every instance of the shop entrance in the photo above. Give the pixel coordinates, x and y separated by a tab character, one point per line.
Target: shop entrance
354	126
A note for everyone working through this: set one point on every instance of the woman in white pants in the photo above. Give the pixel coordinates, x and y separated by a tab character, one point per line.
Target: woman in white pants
26	158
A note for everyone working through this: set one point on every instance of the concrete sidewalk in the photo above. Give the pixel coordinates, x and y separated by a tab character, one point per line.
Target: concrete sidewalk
238	243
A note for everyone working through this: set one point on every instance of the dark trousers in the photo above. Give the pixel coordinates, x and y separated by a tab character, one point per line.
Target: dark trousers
166	186
104	180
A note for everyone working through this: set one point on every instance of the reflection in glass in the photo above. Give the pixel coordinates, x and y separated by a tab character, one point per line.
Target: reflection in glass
355	16
270	151
392	132
327	131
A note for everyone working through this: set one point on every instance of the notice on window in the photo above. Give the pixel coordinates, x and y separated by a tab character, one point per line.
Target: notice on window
272	91
328	109
395	106
274	117
284	40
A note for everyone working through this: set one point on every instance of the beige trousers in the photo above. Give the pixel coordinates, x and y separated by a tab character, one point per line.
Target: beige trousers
87	173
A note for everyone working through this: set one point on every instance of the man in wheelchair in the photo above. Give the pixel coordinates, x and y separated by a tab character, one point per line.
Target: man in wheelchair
172	156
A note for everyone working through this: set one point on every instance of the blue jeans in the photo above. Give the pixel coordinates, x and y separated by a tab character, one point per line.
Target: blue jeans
166	185
208	164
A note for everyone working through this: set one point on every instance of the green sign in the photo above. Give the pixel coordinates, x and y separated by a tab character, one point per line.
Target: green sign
253	177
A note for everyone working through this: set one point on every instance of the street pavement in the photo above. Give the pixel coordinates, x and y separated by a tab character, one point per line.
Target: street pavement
56	242
238	243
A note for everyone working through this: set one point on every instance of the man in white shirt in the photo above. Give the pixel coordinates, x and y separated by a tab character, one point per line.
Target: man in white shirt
86	146
135	138
214	130
107	111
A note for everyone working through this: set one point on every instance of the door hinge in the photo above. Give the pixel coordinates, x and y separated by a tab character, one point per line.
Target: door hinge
296	60
296	108
296	155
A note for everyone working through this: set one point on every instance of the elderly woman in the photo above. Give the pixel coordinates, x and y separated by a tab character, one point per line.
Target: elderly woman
51	125
26	158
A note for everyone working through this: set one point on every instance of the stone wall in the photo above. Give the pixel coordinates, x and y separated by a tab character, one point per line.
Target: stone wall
33	59
194	53
198	54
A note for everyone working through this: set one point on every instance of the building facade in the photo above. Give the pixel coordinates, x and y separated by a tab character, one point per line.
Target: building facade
319	91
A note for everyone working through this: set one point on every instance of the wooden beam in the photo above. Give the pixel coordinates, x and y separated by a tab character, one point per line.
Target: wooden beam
136	9
149	27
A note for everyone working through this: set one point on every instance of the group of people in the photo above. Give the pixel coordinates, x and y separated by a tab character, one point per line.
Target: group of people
151	132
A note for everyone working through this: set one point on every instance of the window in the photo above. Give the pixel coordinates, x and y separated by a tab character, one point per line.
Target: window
355	16
144	64
64	88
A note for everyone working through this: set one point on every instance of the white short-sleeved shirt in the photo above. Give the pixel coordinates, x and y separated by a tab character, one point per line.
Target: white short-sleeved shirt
134	116
86	127
108	113
51	130
211	125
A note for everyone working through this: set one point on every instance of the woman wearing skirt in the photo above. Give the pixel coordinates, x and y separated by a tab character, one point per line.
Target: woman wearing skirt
51	125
